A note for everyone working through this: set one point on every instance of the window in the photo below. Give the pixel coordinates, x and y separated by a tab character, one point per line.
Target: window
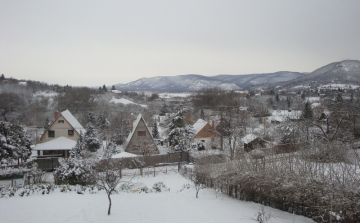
60	121
141	133
71	132
51	133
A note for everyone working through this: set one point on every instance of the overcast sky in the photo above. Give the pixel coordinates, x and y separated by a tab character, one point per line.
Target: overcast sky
93	42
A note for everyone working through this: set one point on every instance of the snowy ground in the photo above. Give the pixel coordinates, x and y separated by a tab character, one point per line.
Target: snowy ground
173	206
125	102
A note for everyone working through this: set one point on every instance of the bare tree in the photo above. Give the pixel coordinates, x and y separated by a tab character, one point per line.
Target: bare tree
109	176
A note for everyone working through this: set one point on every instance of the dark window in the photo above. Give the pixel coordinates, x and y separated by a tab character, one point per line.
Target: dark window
141	133
51	133
60	121
70	132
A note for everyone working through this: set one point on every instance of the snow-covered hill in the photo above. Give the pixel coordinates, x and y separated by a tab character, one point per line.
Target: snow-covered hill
192	82
345	72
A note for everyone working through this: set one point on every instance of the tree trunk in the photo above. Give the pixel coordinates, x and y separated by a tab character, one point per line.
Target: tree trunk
109	203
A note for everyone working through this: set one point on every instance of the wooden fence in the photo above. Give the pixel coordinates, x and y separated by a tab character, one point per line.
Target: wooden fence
49	164
156	160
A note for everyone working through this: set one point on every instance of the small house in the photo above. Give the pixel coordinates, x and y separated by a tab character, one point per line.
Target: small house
252	142
60	137
204	132
140	140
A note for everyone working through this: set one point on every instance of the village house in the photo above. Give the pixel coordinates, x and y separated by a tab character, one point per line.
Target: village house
60	137
204	133
140	140
252	142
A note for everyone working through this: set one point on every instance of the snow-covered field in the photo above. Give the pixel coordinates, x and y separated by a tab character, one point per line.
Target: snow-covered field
171	95
178	205
125	102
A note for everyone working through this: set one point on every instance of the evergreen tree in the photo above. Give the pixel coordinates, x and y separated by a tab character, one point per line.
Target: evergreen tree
288	102
277	98
91	140
179	133
79	150
303	96
103	126
113	88
2	77
155	131
339	98
104	88
91	118
308	112
110	150
14	143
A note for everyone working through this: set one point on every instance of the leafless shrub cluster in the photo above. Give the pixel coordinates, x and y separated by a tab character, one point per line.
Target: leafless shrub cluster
291	183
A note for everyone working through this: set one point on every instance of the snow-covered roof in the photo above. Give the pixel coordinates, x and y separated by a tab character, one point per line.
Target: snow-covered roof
123	155
199	124
72	121
282	115
60	143
136	123
248	138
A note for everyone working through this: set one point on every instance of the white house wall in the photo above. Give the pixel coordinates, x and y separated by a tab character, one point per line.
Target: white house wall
61	129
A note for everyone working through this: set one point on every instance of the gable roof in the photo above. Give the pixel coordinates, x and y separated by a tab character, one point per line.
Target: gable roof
199	124
136	123
249	138
60	143
70	119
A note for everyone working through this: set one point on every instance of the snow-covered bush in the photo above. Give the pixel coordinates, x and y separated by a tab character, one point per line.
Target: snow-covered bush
159	186
75	171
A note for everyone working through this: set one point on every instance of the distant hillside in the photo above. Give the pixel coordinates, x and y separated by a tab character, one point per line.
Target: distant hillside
343	72
192	82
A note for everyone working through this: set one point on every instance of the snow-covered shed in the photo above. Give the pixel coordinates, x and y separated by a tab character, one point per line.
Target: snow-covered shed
204	132
252	142
140	140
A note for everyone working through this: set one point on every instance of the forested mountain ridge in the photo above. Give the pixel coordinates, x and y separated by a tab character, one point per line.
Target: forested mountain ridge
193	82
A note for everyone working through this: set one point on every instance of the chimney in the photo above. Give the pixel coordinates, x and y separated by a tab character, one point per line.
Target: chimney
56	115
131	122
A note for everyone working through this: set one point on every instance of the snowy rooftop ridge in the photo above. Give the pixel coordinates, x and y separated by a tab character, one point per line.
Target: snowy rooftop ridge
199	124
72	121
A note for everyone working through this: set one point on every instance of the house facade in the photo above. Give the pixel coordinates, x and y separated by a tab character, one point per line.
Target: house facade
140	140
60	137
204	132
65	125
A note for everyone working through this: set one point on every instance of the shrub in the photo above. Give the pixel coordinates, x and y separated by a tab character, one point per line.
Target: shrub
75	171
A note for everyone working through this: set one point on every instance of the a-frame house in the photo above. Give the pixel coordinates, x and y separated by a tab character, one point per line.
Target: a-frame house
140	140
